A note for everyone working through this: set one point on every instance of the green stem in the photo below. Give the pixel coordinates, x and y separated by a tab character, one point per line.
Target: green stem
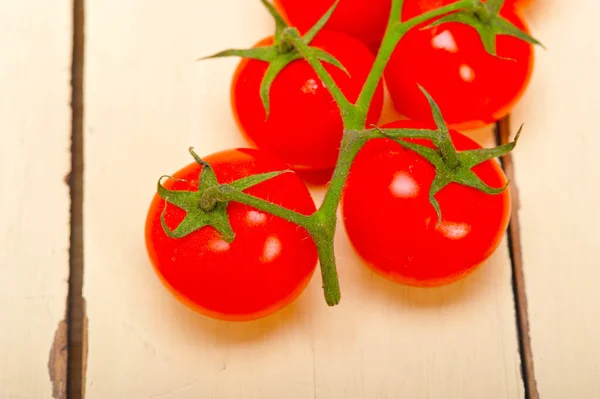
327	264
321	229
390	40
394	32
395	14
225	193
352	142
347	109
321	225
325	219
449	154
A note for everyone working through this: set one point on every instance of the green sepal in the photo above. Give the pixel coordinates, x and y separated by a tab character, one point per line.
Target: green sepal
471	158
328	58
281	53
451	166
493	6
247	182
195	217
265	53
211	196
436	112
461	173
280	23
310	35
407	133
275	67
280	62
191	202
444	142
485	18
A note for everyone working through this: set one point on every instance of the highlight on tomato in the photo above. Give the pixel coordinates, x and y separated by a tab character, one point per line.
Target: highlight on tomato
304	125
393	226
472	87
264	268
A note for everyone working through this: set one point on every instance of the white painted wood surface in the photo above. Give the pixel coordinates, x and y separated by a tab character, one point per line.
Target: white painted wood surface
557	172
35	126
147	100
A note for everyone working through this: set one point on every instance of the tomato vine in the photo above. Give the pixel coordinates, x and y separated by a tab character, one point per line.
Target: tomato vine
207	206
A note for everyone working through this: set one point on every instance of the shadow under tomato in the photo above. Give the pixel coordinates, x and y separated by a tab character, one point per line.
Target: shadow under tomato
467	289
221	332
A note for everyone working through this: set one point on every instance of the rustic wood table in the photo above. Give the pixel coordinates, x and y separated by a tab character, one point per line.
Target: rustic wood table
99	99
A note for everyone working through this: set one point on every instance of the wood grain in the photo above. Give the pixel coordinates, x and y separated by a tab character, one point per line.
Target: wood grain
557	173
147	101
35	124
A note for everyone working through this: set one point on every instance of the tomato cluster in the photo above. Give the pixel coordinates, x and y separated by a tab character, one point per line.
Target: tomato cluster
386	202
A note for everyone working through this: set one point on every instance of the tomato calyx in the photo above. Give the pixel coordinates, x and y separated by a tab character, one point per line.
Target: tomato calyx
452	166
202	211
283	51
485	18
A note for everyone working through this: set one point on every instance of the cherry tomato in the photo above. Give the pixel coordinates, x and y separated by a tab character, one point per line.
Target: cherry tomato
361	19
268	264
304	127
393	226
471	87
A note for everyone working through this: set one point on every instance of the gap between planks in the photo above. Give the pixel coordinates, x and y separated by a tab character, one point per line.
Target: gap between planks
77	320
503	136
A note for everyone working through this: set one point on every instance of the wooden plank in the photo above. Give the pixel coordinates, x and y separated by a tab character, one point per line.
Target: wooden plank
557	173
146	102
35	121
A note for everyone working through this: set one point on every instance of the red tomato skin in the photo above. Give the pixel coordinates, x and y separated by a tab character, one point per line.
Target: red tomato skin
472	88
392	225
265	268
519	4
361	19
304	127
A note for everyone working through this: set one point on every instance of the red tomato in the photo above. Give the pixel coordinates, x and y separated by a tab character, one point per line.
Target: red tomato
518	3
268	264
471	87
392	225
304	127
361	19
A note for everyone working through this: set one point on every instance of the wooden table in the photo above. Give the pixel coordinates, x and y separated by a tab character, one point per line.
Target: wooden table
75	183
